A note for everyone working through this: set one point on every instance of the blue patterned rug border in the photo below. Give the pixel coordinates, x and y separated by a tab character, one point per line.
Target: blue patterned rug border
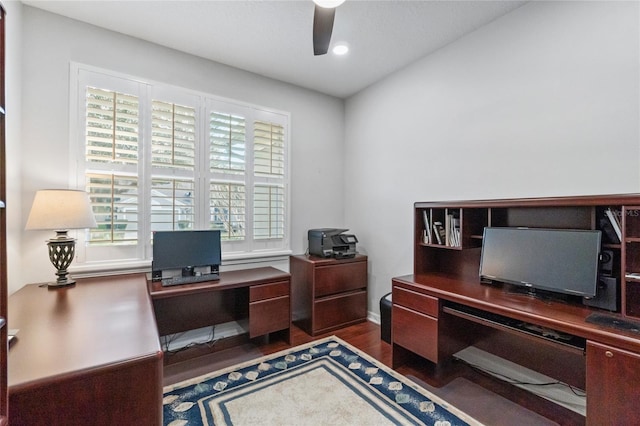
399	391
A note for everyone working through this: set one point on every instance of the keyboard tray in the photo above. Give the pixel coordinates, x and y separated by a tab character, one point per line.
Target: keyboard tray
501	321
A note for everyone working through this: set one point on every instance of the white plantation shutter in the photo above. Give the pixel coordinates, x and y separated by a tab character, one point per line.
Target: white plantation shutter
227	210
114	200
172	204
268	212
173	150
173	136
268	147
156	157
111	126
111	132
269	169
227	137
227	174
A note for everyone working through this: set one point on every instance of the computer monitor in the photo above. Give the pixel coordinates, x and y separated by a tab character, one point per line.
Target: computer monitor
556	260
186	251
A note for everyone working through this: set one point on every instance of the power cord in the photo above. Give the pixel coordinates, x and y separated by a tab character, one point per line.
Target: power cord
576	391
171	338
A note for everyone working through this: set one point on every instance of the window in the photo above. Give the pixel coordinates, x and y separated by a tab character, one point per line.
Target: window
155	157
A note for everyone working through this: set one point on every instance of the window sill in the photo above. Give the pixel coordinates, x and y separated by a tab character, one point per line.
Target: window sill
232	261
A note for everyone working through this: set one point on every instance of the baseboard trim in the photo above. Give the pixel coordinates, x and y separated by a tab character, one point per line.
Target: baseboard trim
373	317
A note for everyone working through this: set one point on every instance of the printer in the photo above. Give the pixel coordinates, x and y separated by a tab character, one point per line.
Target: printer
332	242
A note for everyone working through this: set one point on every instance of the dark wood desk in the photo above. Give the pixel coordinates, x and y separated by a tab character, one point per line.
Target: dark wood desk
426	322
261	294
87	354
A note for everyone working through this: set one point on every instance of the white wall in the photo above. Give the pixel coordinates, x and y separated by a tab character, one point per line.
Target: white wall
13	133
541	102
51	42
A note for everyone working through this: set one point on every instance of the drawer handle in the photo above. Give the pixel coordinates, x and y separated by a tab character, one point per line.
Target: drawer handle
608	354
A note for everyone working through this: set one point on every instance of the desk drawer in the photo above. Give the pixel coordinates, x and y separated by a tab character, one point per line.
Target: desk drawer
339	278
416	301
415	331
267	316
268	291
338	311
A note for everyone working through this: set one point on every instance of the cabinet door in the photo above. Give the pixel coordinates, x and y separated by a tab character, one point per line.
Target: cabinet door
613	377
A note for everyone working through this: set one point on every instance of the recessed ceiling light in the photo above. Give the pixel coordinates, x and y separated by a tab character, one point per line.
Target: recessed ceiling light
329	4
340	49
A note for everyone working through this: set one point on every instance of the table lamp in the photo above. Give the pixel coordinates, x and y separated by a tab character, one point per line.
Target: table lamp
61	210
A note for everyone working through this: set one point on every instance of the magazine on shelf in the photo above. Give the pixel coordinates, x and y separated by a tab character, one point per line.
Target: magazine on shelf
455	230
615	222
452	230
439	232
426	236
447	230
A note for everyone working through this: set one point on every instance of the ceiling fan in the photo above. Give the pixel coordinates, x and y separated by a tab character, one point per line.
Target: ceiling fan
323	16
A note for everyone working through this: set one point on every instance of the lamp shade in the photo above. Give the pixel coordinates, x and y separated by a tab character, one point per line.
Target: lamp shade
61	209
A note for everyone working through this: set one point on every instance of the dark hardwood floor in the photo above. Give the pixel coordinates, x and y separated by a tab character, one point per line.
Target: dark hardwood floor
366	337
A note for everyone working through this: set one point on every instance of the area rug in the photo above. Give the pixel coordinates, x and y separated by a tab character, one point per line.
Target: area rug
325	382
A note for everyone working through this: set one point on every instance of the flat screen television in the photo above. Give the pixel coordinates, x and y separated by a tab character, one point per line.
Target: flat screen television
186	251
555	260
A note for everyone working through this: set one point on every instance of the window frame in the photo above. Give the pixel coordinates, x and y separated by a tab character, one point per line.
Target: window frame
138	256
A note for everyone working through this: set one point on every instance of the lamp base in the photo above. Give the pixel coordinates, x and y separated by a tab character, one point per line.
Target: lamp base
62	250
61	283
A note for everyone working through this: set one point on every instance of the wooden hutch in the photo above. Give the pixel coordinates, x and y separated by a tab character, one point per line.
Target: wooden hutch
442	307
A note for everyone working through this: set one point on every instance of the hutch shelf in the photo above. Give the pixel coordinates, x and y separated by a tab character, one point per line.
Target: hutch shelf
586	212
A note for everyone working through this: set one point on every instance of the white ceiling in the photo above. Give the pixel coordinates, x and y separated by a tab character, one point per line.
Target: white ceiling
273	38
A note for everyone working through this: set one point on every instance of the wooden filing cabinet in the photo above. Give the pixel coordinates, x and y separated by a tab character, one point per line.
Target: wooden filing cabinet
328	293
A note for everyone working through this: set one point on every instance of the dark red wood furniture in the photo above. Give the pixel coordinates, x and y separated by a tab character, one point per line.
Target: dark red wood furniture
87	354
328	293
431	316
90	354
259	294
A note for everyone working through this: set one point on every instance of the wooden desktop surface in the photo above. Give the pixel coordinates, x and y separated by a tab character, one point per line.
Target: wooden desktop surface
228	280
94	323
556	315
86	354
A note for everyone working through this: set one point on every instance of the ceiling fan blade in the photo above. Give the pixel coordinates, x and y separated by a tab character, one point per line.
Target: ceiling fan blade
322	28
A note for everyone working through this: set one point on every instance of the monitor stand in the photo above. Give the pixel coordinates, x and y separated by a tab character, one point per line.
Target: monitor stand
543	295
